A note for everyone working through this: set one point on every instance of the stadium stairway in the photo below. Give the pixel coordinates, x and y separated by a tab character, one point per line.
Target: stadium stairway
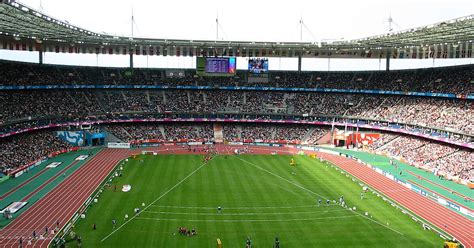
326	139
386	144
110	137
218	133
273	134
162	130
308	135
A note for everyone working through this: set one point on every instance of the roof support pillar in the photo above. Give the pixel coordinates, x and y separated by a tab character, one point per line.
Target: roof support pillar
40	57
299	62
131	60
387	60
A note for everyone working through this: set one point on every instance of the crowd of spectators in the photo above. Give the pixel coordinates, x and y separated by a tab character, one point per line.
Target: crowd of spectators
445	159
189	132
458	164
130	132
231	132
25	148
453	115
161	132
381	141
447	80
25	109
316	135
257	132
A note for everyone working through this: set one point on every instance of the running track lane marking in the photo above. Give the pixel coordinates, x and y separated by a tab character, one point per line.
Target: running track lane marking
14	189
157	199
27	218
48	182
308	190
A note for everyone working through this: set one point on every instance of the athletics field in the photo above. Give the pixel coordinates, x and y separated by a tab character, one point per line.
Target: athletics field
261	196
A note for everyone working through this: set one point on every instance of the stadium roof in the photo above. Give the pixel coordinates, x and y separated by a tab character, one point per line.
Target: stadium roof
21	24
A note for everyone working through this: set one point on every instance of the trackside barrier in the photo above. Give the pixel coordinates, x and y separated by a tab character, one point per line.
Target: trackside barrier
118	145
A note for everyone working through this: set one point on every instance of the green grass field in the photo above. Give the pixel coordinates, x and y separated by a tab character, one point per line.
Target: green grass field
260	197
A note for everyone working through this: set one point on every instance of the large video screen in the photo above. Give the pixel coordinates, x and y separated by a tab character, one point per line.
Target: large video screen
220	65
258	65
216	66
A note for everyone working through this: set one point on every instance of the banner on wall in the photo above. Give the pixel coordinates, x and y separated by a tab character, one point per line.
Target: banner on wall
118	145
75	138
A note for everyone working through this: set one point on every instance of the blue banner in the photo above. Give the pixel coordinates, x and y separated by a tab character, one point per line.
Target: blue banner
453	206
75	138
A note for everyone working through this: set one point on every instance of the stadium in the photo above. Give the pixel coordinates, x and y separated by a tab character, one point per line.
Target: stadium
113	140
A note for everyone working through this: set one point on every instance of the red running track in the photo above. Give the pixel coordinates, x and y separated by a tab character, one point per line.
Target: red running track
453	223
62	202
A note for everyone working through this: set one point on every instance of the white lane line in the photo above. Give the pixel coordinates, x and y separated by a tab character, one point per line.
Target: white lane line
377	222
158	198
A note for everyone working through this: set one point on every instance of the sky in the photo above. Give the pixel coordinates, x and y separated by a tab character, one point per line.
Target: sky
246	20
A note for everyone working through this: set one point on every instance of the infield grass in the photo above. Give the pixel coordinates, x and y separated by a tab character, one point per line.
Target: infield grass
261	196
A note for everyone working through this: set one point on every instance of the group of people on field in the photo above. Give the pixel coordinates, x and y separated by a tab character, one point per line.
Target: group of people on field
187	232
248	243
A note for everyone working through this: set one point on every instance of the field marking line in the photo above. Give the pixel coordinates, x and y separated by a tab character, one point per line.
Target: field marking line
157	199
237	208
271	173
308	190
244	214
262	220
378	222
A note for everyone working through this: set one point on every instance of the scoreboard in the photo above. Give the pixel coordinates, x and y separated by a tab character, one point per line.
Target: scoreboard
216	66
219	65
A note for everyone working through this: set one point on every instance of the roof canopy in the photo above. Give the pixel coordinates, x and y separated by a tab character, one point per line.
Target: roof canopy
23	28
